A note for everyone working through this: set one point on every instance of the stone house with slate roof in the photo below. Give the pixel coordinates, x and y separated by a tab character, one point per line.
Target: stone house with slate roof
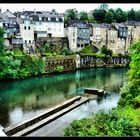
78	34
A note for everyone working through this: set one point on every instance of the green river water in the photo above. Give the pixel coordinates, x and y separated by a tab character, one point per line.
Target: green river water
23	99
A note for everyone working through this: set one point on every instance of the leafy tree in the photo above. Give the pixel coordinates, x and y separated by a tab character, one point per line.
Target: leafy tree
120	15
99	15
9	67
131	14
71	14
137	15
109	17
91	18
112	11
83	16
1	40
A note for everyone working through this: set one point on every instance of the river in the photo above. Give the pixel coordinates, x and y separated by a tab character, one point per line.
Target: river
22	99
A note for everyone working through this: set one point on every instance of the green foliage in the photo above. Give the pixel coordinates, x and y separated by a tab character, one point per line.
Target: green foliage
109	17
86	50
46	48
9	67
17	52
83	16
136	101
66	51
99	15
71	14
59	68
91	18
106	51
131	15
120	15
1	40
101	124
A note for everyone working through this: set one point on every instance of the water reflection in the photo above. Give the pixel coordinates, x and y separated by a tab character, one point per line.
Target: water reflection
20	100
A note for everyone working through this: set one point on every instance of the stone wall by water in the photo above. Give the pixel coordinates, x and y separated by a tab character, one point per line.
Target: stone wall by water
93	61
68	63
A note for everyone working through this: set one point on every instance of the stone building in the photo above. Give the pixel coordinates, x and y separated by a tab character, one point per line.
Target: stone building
78	34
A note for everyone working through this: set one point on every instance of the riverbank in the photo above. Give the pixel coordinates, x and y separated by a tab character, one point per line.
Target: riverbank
24	67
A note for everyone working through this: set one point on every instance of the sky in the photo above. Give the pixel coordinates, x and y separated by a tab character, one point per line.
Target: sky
60	8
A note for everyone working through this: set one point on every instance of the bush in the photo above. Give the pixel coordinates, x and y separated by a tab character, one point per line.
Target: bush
17	52
87	50
59	68
106	51
66	51
101	124
136	101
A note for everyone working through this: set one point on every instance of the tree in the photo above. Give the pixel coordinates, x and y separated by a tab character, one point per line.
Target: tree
99	15
120	15
91	18
71	14
109	17
103	6
137	15
131	15
1	40
83	16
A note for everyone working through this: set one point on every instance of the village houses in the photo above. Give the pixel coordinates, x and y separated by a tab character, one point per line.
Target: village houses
23	29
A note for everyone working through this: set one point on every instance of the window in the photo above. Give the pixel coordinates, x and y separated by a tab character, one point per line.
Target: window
49	29
24	27
73	40
73	33
29	41
28	27
78	45
25	41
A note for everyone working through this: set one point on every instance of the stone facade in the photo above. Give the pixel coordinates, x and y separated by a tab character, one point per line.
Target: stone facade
78	35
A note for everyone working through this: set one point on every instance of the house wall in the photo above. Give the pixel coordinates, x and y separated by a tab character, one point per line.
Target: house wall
72	38
99	37
27	34
56	29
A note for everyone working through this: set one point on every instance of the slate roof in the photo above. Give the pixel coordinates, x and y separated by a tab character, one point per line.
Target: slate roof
78	24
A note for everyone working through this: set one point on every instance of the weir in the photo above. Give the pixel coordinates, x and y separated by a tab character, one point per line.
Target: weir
48	116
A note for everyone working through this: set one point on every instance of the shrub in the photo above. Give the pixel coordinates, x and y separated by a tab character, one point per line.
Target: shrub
17	52
59	68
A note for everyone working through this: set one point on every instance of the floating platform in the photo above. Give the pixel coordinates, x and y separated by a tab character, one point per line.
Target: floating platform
94	91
